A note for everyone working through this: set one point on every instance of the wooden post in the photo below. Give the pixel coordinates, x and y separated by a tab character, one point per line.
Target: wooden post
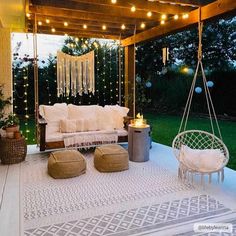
130	78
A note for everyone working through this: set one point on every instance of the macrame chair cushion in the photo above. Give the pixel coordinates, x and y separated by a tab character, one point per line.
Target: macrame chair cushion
199	139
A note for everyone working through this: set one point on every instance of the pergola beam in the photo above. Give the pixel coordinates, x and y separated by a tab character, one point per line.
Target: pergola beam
70	14
211	10
141	5
81	34
193	3
89	30
107	10
79	23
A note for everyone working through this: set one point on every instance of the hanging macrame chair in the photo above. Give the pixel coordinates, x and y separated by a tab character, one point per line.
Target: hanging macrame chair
199	139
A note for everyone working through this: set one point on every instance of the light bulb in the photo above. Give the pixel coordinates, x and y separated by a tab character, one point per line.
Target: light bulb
53	30
185	16
104	27
149	14
113	1
65	23
142	25
123	27
47	21
163	16
133	8
85	26
40	23
162	22
176	17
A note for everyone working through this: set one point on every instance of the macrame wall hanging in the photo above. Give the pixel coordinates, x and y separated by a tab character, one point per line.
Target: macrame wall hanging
75	74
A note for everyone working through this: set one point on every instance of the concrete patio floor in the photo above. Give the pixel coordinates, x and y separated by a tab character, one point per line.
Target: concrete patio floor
11	220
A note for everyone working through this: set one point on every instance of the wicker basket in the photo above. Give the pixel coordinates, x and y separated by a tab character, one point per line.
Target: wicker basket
12	150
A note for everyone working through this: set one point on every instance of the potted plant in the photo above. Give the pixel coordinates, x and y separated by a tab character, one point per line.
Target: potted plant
9	123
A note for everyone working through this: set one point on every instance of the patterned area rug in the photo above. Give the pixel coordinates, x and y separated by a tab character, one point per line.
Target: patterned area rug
142	200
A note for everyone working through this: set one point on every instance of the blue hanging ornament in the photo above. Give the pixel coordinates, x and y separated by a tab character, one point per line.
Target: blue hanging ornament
210	84
138	79
198	90
148	84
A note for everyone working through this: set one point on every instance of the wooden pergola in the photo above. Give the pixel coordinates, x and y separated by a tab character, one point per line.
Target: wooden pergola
130	21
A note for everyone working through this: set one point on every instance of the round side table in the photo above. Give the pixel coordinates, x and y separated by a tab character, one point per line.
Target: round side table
139	143
12	150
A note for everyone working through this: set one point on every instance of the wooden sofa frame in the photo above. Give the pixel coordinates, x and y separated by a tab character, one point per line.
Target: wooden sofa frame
43	145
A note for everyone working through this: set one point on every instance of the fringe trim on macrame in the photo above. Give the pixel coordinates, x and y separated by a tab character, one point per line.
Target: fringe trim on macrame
188	175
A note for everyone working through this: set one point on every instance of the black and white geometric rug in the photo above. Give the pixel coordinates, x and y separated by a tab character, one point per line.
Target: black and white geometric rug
146	199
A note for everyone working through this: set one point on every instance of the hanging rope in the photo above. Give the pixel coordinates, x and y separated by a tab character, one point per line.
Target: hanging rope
210	106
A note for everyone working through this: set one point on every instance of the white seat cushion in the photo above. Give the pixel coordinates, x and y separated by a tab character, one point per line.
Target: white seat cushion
206	160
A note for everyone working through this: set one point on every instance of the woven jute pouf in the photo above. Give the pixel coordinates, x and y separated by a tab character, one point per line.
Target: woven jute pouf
66	164
111	158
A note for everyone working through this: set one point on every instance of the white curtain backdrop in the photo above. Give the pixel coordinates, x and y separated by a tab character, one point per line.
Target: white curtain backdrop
75	74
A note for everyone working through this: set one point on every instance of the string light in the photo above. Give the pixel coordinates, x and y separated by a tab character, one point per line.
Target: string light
185	16
163	16
28	15
113	1
176	17
133	8
40	23
142	25
65	24
162	22
123	27
104	76
47	21
76	39
53	30
149	14
85	26
104	27
66	35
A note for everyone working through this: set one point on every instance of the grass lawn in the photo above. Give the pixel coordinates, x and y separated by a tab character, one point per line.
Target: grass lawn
165	128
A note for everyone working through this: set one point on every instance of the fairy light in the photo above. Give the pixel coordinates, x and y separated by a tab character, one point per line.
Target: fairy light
133	9
113	1
28	15
65	24
27	131
104	27
97	71
104	76
85	26
176	17
66	35
163	16
76	39
123	27
149	14
47	21
162	22
40	23
53	30
142	25
185	16
110	83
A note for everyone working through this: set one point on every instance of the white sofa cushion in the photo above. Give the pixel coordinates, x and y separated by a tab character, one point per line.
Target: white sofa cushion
117	113
91	124
206	160
81	112
68	126
57	112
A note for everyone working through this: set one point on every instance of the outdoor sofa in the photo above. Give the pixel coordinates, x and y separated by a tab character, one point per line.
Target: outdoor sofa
59	122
